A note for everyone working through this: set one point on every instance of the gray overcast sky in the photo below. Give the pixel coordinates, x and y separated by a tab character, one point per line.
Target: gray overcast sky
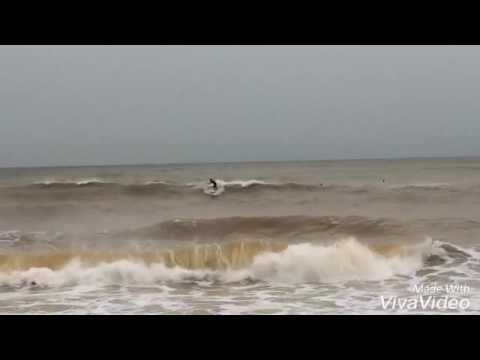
79	105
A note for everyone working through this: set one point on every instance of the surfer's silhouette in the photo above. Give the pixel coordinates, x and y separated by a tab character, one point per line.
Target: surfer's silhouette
214	183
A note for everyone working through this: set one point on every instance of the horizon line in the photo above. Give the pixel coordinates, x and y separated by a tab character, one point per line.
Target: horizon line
243	162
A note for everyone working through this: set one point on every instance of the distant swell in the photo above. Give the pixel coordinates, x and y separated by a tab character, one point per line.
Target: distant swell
266	227
288	229
85	189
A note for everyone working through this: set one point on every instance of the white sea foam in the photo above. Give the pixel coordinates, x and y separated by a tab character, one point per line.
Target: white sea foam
227	183
303	279
242	183
71	182
306	262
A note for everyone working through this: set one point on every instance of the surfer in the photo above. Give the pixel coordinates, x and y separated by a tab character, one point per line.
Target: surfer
214	183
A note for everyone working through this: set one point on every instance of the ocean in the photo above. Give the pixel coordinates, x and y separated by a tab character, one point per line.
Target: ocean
311	237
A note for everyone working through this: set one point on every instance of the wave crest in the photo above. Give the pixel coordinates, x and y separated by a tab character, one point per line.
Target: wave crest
306	262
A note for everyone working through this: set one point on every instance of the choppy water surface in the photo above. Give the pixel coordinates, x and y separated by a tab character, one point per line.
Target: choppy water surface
326	237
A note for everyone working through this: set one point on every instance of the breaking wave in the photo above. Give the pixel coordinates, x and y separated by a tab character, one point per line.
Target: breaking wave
345	260
71	183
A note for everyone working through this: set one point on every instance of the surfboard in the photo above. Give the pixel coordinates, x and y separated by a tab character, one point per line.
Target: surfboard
209	190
